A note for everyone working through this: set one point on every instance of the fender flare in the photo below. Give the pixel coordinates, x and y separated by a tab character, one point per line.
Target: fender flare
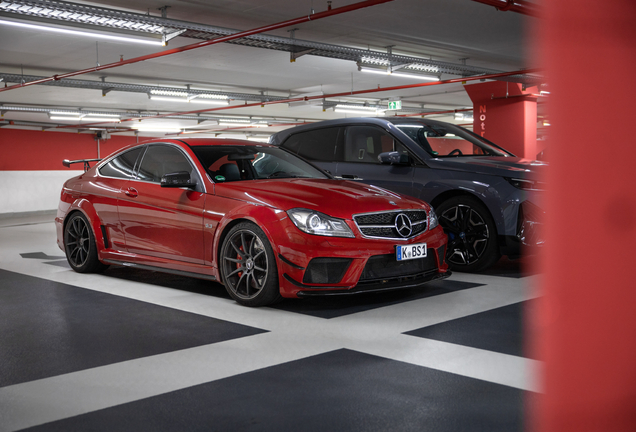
85	207
246	213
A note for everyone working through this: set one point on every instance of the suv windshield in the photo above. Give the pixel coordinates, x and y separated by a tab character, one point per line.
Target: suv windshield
232	163
446	140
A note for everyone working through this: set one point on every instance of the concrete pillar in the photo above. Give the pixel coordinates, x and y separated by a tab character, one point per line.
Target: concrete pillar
506	114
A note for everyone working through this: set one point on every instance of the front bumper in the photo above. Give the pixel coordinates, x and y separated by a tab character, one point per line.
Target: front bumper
311	265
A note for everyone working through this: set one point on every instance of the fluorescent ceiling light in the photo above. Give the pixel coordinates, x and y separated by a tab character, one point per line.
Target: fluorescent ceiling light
82	119
66	113
64	118
178	99
223	123
104	115
99	119
82	33
156	128
210	101
361	112
397	74
209	96
357	108
169	93
83	116
235	121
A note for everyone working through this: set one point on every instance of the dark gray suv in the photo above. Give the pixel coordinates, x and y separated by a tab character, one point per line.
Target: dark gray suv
486	198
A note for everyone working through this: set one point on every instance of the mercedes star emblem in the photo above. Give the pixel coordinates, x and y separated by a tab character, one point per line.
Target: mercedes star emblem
403	225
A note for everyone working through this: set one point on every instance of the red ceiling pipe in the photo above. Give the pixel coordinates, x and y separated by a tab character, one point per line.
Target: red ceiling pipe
513	6
238	35
334	95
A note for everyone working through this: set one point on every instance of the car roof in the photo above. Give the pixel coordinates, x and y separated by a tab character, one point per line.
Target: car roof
197	142
380	121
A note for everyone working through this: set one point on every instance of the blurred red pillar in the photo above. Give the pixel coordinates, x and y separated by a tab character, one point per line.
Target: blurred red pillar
585	329
506	114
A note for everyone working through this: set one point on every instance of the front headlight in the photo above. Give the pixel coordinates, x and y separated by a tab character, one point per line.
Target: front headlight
313	222
525	184
432	219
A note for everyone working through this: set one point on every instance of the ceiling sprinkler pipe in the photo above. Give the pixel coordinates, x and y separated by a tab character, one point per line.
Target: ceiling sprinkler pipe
333	95
202	44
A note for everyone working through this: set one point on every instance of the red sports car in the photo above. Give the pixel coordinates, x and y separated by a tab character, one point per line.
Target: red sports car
255	217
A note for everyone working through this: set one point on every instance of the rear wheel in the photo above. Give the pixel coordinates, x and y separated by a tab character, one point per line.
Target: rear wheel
472	235
79	245
248	266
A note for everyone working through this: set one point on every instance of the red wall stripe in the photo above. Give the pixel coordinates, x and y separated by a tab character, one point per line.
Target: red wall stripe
28	150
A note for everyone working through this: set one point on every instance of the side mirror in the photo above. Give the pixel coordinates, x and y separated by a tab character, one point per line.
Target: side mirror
177	180
394	158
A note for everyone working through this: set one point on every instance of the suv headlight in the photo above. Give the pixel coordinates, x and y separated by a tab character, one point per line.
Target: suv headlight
432	219
525	184
313	222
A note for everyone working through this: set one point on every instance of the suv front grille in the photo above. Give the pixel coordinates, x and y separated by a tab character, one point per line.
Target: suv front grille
387	225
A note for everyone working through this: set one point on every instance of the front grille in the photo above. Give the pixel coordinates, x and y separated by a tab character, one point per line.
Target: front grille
326	270
384	224
388	267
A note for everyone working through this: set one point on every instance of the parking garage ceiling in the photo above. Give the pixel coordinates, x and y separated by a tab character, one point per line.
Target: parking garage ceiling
417	40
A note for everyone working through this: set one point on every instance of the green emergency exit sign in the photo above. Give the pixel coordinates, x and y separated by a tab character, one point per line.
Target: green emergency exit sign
395	105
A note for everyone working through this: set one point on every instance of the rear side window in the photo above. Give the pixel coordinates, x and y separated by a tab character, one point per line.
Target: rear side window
123	165
365	143
317	145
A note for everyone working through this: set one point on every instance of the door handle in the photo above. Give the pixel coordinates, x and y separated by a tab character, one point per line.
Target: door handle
131	192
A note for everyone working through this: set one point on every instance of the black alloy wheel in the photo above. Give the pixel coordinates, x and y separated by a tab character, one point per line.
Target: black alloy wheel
248	266
79	245
472	235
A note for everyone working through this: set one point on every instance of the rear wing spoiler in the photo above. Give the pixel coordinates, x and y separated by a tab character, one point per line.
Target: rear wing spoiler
67	163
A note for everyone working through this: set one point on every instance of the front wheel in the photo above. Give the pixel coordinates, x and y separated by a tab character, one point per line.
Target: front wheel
248	266
79	245
472	235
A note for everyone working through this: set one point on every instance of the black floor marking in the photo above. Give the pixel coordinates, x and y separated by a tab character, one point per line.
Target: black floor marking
49	328
337	391
499	330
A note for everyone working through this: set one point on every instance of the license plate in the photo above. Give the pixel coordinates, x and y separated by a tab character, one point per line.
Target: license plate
412	251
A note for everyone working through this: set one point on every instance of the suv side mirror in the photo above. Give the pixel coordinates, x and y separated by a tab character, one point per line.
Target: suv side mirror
177	180
394	158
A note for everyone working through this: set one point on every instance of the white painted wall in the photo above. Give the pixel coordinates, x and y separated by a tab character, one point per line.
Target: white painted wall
27	191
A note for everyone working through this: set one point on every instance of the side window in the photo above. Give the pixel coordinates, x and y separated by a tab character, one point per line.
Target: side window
123	165
160	160
316	145
365	143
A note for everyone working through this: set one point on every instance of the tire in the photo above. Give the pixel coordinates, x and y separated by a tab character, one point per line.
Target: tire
248	266
472	234
79	245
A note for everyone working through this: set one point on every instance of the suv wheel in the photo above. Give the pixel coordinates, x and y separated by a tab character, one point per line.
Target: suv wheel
472	235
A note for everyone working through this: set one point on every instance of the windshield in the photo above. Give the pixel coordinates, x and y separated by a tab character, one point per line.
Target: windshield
234	163
447	140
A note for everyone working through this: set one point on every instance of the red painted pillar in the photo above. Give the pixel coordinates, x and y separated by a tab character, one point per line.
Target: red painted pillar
586	325
506	115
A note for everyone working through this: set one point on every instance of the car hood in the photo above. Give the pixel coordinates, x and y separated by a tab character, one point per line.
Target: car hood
491	165
337	198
